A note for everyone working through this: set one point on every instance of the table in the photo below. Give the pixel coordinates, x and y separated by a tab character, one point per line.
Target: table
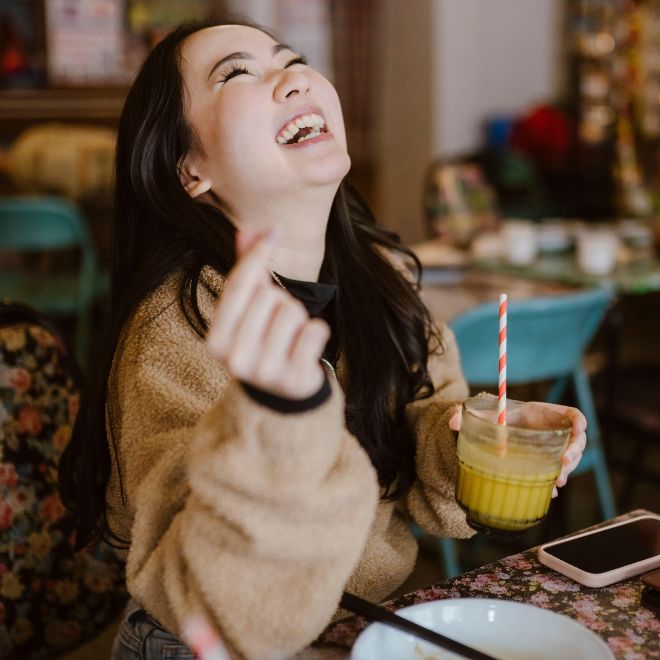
447	294
635	277
614	613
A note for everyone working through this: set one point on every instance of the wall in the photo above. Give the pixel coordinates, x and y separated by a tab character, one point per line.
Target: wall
445	66
489	57
403	104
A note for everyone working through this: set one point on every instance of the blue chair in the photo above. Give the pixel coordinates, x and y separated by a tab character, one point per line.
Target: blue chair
38	224
546	340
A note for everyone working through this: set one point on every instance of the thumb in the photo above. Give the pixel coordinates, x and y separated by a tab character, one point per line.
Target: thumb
456	418
246	237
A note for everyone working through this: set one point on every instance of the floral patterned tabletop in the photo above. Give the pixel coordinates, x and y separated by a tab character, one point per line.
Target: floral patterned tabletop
614	613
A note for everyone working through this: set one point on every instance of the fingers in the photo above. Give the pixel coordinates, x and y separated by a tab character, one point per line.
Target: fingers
577	419
273	365
307	351
574	451
456	418
571	457
577	443
260	333
243	353
246	237
249	273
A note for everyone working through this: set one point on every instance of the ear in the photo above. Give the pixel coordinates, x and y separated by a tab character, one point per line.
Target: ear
194	184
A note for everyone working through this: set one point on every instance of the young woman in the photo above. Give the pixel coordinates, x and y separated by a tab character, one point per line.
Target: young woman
277	402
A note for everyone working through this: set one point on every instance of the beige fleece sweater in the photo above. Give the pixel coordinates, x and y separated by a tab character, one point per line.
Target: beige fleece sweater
255	519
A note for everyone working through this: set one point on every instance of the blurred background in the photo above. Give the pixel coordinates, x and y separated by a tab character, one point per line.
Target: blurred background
560	99
513	144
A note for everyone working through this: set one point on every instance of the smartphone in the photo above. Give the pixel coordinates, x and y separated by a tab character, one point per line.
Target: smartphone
609	554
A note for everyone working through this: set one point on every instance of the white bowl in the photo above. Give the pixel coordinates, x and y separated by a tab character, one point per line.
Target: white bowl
501	628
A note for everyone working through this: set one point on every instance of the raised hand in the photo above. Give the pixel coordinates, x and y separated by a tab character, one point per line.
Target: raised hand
260	333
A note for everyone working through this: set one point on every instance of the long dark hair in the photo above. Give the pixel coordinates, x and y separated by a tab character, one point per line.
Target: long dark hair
383	329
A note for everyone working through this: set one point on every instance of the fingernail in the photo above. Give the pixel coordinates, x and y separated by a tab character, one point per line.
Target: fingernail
273	233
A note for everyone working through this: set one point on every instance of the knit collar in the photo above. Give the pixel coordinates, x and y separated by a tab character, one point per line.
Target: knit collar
316	296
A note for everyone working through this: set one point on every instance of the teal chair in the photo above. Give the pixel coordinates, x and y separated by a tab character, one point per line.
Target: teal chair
546	340
30	225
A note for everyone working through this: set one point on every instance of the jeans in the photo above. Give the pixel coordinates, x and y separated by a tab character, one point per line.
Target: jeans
141	637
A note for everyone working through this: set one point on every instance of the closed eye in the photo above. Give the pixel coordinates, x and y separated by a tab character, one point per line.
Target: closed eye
239	69
298	60
236	70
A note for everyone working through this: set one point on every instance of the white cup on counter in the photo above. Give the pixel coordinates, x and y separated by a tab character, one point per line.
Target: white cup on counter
520	242
597	250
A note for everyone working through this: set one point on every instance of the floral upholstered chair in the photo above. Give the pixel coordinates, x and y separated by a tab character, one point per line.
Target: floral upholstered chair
51	599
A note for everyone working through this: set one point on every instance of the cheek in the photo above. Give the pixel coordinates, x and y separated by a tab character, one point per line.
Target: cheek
330	101
232	123
234	131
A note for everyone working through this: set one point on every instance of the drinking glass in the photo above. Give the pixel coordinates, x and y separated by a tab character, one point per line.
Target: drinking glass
507	472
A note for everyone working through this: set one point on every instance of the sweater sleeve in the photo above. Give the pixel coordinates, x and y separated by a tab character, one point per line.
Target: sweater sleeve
431	501
240	513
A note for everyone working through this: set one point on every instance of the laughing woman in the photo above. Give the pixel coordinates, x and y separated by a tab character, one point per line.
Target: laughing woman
276	402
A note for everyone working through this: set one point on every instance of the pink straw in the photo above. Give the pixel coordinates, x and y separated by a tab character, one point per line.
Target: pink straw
501	392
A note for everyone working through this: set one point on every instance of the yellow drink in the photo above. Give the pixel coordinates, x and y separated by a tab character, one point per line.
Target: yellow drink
507	503
506	474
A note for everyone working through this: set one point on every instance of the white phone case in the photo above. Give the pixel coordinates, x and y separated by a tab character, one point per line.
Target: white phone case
598	579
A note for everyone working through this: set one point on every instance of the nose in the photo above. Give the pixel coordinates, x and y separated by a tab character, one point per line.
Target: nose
289	84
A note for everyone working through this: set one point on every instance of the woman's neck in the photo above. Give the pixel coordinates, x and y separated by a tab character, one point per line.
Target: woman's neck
299	259
300	235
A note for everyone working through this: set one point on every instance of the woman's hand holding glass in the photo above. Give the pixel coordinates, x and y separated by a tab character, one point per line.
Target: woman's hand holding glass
576	444
263	335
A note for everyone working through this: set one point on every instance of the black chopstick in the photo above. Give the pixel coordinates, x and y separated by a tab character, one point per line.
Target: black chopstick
374	612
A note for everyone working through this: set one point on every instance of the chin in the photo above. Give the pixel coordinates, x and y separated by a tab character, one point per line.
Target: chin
329	172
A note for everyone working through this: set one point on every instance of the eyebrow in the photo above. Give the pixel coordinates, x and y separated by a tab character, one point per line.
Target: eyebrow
243	55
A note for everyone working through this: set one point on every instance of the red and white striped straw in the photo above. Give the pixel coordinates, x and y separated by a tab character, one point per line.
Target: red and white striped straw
201	637
501	381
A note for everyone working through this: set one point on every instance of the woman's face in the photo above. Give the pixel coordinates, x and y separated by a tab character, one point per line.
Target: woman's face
244	92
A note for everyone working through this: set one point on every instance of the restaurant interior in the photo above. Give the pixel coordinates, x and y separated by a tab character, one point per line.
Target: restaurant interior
513	145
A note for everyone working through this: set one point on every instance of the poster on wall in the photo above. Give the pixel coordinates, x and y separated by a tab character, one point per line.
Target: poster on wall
85	42
155	18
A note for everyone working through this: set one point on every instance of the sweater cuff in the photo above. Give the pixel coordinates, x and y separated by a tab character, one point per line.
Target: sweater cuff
286	406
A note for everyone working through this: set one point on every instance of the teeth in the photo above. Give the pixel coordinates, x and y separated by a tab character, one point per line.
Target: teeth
311	135
312	120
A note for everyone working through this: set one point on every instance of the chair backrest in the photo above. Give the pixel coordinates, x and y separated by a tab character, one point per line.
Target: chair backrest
40	223
546	337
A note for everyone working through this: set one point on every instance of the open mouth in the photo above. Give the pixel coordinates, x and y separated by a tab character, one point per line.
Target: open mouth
302	128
